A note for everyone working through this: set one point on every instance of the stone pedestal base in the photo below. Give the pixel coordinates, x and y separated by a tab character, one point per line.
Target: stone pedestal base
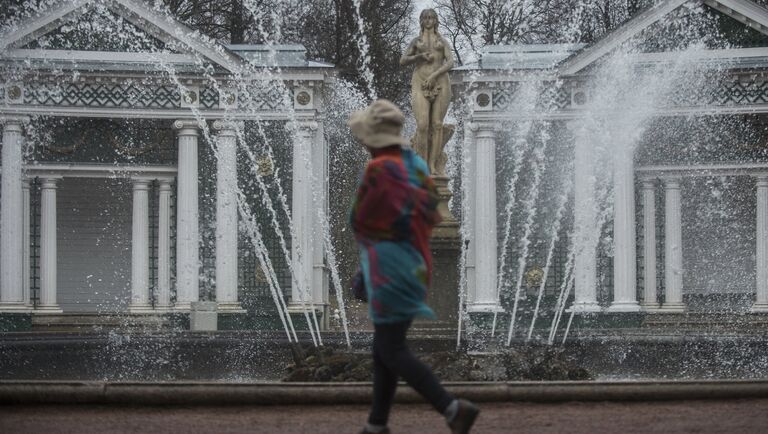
443	295
203	316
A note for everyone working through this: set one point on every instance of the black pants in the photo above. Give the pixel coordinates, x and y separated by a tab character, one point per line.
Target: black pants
393	359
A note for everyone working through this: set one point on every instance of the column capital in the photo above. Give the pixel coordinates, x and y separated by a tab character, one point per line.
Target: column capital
575	125
302	126
762	180
164	184
14	123
140	183
487	128
187	127
648	184
228	128
671	183
49	182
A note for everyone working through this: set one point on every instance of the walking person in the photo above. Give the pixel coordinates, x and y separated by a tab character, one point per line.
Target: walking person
393	214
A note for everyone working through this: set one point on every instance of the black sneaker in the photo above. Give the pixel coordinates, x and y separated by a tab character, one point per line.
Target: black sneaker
365	431
465	417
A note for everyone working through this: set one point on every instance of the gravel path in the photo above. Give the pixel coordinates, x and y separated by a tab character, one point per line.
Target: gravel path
734	416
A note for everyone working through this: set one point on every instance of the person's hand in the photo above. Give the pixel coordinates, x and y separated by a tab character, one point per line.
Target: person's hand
429	83
427	57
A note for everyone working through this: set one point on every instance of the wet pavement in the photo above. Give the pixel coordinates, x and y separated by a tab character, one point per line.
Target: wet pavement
705	416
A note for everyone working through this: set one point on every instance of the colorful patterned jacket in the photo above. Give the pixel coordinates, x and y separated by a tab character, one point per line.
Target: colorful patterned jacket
392	216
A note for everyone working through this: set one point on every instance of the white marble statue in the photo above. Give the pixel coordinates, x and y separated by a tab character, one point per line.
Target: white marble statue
430	90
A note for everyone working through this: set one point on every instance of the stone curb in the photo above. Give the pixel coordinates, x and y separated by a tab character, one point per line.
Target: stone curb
212	393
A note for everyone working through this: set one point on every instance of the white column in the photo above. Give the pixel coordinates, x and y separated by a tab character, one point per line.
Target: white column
187	220
485	297
761	257
25	248
226	216
468	210
11	218
48	247
320	294
140	248
585	216
650	301
624	232
164	246
302	210
673	248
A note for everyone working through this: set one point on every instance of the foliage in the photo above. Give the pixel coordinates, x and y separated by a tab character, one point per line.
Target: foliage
325	27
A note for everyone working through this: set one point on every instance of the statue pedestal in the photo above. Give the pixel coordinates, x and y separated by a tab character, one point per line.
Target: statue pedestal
449	227
443	295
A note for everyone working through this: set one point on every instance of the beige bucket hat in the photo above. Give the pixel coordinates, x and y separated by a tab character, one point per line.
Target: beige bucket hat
379	125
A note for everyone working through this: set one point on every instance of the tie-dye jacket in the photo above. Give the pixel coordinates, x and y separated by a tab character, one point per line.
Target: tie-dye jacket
392	216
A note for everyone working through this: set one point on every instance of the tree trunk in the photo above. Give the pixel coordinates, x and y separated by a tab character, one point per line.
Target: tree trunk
237	23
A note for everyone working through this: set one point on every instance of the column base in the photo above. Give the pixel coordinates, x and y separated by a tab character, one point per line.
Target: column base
297	313
52	309
184	306
759	308
298	308
650	307
623	306
164	309
141	309
585	307
15	307
230	307
672	308
484	307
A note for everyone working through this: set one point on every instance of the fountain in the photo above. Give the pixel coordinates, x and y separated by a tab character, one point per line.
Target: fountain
596	197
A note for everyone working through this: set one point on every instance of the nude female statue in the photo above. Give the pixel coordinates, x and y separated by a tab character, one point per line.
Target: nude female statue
430	90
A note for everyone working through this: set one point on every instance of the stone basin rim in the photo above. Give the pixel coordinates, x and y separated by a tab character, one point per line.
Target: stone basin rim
212	393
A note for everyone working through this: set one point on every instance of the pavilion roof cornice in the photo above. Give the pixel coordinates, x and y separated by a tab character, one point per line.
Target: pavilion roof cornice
695	170
576	114
34	75
741	60
303	115
136	12
746	11
81	170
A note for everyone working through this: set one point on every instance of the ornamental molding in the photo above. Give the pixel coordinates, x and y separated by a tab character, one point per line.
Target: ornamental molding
735	93
140	96
102	95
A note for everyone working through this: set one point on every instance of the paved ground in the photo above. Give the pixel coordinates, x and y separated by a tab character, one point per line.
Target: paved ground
733	416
